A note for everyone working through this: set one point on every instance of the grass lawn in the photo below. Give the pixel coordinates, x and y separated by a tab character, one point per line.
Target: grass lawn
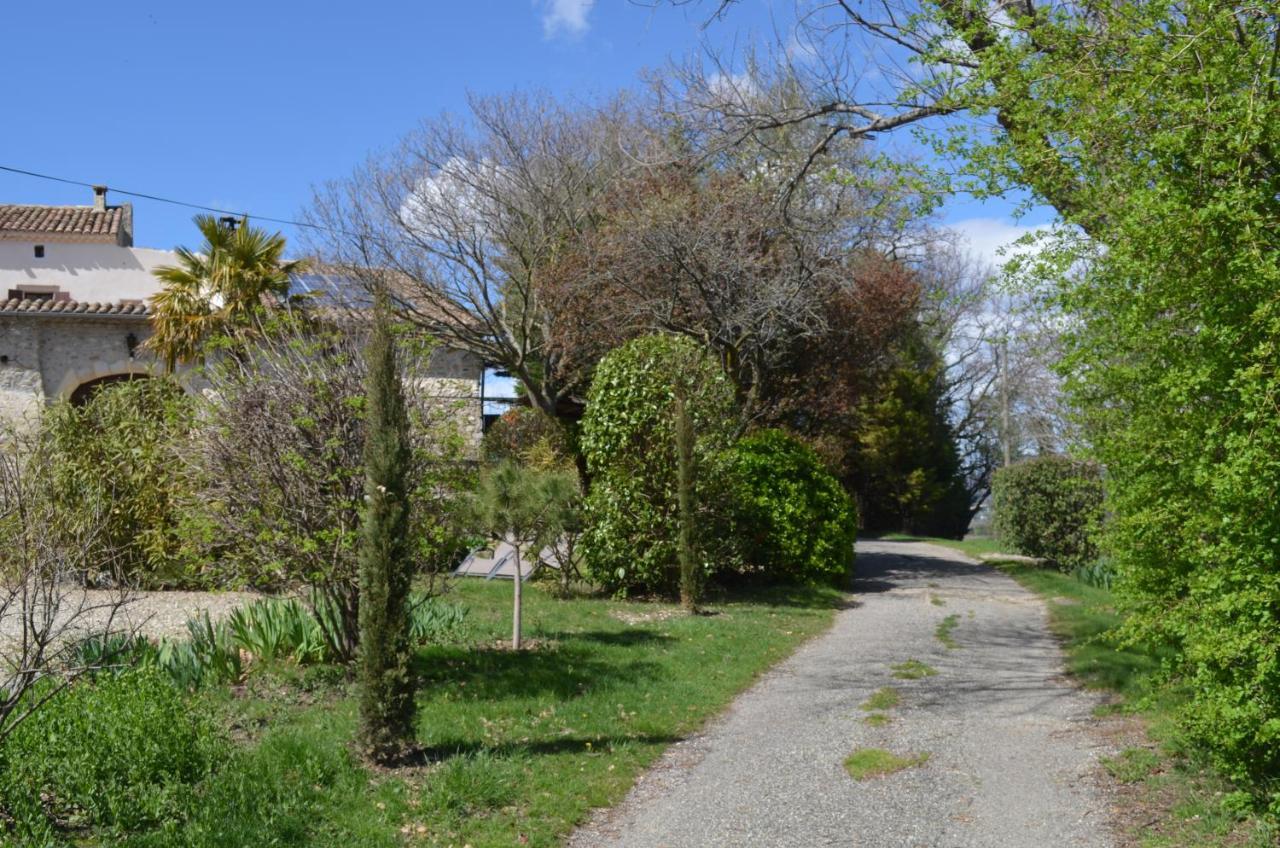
522	746
1177	801
974	546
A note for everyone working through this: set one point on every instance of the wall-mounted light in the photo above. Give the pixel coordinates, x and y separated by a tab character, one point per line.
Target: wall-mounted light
131	342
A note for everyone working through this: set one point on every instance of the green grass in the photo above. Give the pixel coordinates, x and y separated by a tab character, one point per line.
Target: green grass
866	763
974	546
883	699
520	747
1182	803
877	719
943	632
913	670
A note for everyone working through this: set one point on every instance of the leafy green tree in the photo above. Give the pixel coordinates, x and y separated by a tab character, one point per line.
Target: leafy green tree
218	290
527	507
904	464
386	555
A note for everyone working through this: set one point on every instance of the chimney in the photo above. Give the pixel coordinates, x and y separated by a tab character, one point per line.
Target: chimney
99	198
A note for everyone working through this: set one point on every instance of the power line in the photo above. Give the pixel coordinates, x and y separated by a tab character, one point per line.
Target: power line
171	201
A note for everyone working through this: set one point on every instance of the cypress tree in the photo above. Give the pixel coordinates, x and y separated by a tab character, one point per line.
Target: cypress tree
690	585
386	689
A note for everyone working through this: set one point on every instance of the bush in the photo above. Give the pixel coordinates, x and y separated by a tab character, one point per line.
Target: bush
117	457
527	436
628	439
793	516
118	752
1049	507
280	448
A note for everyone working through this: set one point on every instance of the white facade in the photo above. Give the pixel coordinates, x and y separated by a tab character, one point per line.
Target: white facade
94	273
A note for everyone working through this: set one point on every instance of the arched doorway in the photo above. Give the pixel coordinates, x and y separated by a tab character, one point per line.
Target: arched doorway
84	392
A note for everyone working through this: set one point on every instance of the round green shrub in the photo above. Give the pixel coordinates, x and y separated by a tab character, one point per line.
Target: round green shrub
628	439
794	517
120	751
116	458
1049	507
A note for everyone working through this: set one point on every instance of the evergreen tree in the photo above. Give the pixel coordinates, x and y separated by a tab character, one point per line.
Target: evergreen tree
386	689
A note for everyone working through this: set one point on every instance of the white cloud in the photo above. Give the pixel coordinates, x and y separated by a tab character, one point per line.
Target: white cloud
565	17
992	240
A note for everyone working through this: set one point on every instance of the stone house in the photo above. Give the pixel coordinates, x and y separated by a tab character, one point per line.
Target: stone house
75	313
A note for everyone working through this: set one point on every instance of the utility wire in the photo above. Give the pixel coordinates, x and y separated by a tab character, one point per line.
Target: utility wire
169	200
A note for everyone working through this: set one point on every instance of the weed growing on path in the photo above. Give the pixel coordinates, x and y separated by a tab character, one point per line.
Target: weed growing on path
943	632
913	670
865	763
883	699
936	601
877	719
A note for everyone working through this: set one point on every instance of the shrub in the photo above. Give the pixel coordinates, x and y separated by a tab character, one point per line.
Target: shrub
628	439
527	436
120	752
117	456
280	459
794	517
1049	507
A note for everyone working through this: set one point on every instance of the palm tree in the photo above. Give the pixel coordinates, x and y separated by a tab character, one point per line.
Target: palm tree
219	290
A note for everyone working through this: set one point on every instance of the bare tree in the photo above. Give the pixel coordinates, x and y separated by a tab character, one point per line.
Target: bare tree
466	221
46	612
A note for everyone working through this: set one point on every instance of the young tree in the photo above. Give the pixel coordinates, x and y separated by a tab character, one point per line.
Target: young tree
219	290
386	556
528	508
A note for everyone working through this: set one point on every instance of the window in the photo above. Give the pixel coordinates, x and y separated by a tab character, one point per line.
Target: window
39	251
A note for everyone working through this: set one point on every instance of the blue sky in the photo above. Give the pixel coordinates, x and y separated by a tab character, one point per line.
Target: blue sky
247	105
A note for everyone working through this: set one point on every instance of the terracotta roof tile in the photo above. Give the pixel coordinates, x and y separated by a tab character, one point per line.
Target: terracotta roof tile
77	220
73	307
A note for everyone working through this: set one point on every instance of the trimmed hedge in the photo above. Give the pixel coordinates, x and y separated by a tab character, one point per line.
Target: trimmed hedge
1049	507
794	517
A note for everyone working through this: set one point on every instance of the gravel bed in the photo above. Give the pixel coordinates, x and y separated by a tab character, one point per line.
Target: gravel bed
154	614
1012	753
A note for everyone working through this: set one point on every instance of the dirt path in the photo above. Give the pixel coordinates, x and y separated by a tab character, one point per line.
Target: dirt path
1011	757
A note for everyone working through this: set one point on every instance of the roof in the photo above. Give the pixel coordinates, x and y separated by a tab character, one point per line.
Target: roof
132	308
73	221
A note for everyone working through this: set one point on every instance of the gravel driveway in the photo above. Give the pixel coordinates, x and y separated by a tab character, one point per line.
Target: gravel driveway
1011	756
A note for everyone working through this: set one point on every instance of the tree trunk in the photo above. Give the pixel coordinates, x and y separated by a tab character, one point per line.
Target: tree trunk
684	492
515	612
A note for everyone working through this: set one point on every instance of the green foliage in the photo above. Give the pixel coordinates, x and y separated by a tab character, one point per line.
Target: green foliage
1049	507
1152	127
280	455
117	752
628	438
386	566
117	457
794	518
219	290
278	629
905	467
527	436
